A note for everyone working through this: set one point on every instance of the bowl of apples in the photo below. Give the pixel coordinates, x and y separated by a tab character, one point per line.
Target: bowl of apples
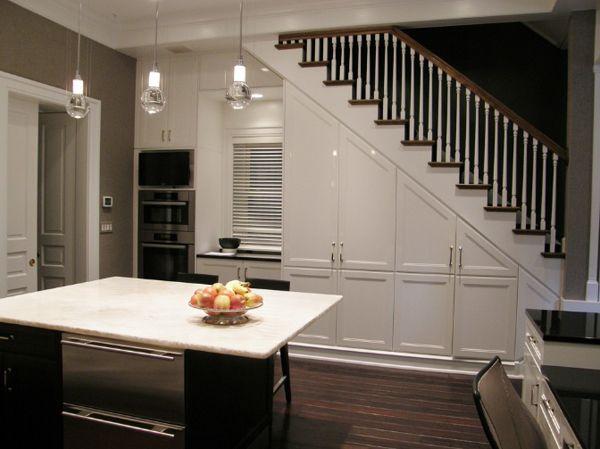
226	304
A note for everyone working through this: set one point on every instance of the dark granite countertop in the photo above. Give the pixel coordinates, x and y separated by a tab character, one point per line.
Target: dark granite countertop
242	255
578	392
570	327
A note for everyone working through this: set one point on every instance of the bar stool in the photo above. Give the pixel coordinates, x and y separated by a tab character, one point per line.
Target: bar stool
196	278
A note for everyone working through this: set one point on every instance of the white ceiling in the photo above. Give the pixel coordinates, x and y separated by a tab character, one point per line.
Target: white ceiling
213	24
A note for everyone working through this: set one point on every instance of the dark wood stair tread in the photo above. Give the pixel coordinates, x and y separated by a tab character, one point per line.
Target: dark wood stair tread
418	143
549	255
313	63
396	121
474	186
445	164
290	46
501	209
364	102
338	82
530	231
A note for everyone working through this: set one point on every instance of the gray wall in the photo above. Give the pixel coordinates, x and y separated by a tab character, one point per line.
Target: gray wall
36	48
580	116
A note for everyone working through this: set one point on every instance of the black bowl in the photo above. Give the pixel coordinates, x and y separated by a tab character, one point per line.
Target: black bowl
229	243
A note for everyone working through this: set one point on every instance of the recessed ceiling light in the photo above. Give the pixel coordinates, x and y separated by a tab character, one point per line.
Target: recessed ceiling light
257	96
264	69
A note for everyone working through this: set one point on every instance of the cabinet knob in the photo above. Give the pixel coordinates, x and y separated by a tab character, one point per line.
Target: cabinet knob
32	262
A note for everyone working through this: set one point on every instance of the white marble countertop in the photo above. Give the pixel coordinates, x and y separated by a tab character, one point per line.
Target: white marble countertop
156	313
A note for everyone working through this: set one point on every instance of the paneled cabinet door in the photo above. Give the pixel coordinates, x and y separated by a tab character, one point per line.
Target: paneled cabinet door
366	313
151	129
476	256
225	269
423	314
310	184
367	206
183	103
484	317
426	231
322	331
261	270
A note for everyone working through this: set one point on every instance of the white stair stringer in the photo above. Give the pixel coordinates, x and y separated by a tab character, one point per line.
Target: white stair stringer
413	161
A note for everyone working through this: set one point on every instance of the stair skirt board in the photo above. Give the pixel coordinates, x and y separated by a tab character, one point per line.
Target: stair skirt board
314	64
474	186
445	164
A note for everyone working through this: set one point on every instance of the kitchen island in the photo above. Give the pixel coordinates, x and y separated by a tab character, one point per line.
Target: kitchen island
127	363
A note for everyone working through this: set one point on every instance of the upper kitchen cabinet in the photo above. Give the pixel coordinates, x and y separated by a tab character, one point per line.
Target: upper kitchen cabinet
176	125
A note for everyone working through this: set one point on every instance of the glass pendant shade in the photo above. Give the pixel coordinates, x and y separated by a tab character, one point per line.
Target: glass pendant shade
153	99
78	105
239	94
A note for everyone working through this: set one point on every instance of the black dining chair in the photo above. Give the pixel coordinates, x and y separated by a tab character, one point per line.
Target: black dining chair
276	284
196	278
507	422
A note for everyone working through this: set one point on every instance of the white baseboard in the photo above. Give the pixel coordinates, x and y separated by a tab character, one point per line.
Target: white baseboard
397	360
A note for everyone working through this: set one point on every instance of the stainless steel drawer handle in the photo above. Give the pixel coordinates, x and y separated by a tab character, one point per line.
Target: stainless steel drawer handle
7	337
163	245
164	203
159	431
101	346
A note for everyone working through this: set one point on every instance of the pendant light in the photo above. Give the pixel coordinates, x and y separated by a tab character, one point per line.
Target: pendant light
153	99
238	94
78	105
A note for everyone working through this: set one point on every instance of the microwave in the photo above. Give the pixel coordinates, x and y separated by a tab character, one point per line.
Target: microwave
166	169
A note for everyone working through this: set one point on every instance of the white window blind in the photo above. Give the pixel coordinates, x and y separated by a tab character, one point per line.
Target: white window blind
257	195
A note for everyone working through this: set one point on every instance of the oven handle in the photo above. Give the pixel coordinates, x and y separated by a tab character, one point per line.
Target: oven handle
158	430
161	245
164	203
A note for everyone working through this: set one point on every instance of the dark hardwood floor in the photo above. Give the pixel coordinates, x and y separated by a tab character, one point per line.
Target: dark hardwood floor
347	406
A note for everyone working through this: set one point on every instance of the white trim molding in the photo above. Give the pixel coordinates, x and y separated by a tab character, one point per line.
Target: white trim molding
16	85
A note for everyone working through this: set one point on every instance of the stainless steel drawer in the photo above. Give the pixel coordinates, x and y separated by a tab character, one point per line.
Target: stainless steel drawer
134	380
86	428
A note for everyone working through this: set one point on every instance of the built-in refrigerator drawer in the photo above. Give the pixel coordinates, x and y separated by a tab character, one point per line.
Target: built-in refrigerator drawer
86	428
145	382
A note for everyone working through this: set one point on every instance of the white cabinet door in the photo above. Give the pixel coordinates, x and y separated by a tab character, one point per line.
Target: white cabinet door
426	231
310	184
227	270
367	206
478	257
151	129
322	331
423	314
183	103
261	270
366	313
484	317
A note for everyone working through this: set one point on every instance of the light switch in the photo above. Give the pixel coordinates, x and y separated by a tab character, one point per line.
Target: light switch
106	227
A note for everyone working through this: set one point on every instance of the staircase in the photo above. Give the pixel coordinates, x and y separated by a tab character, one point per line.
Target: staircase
520	169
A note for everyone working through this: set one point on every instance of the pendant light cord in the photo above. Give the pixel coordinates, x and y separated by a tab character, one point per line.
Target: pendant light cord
156	35
78	40
241	25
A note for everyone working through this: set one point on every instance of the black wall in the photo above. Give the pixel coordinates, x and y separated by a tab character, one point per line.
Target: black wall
513	63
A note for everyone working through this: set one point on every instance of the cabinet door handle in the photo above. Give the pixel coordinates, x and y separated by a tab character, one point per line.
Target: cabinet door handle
245	273
332	252
451	254
169	136
162	135
534	397
6	379
460	265
341	252
9	337
238	272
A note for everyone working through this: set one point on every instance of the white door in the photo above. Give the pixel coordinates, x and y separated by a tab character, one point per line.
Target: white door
424	313
484	317
367	231
426	231
310	184
227	270
322	331
478	257
366	313
183	102
56	200
22	197
261	270
152	128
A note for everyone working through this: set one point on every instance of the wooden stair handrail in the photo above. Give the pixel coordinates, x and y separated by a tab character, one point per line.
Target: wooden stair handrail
447	68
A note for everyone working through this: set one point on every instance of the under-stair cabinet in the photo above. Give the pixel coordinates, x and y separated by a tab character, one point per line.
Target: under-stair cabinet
415	277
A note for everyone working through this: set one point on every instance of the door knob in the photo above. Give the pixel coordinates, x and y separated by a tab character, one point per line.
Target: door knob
32	262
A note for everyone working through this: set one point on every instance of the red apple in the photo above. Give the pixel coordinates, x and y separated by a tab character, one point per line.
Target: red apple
211	291
227	292
195	300
206	300
222	302
237	302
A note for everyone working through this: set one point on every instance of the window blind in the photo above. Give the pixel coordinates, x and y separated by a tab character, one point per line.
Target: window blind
257	195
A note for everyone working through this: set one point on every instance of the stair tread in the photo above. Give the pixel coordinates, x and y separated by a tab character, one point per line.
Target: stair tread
474	186
501	209
416	143
290	46
313	63
397	121
530	231
549	255
338	82
445	164
364	102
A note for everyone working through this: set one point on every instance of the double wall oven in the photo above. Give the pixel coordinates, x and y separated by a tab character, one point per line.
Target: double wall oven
166	233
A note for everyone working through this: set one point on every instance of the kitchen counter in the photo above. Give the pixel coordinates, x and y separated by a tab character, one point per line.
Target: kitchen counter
241	255
568	327
156	313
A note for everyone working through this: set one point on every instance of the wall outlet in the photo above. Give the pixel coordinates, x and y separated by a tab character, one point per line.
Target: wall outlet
106	227
107	201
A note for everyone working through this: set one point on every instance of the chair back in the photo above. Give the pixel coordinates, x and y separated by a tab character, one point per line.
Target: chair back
269	284
506	420
196	278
